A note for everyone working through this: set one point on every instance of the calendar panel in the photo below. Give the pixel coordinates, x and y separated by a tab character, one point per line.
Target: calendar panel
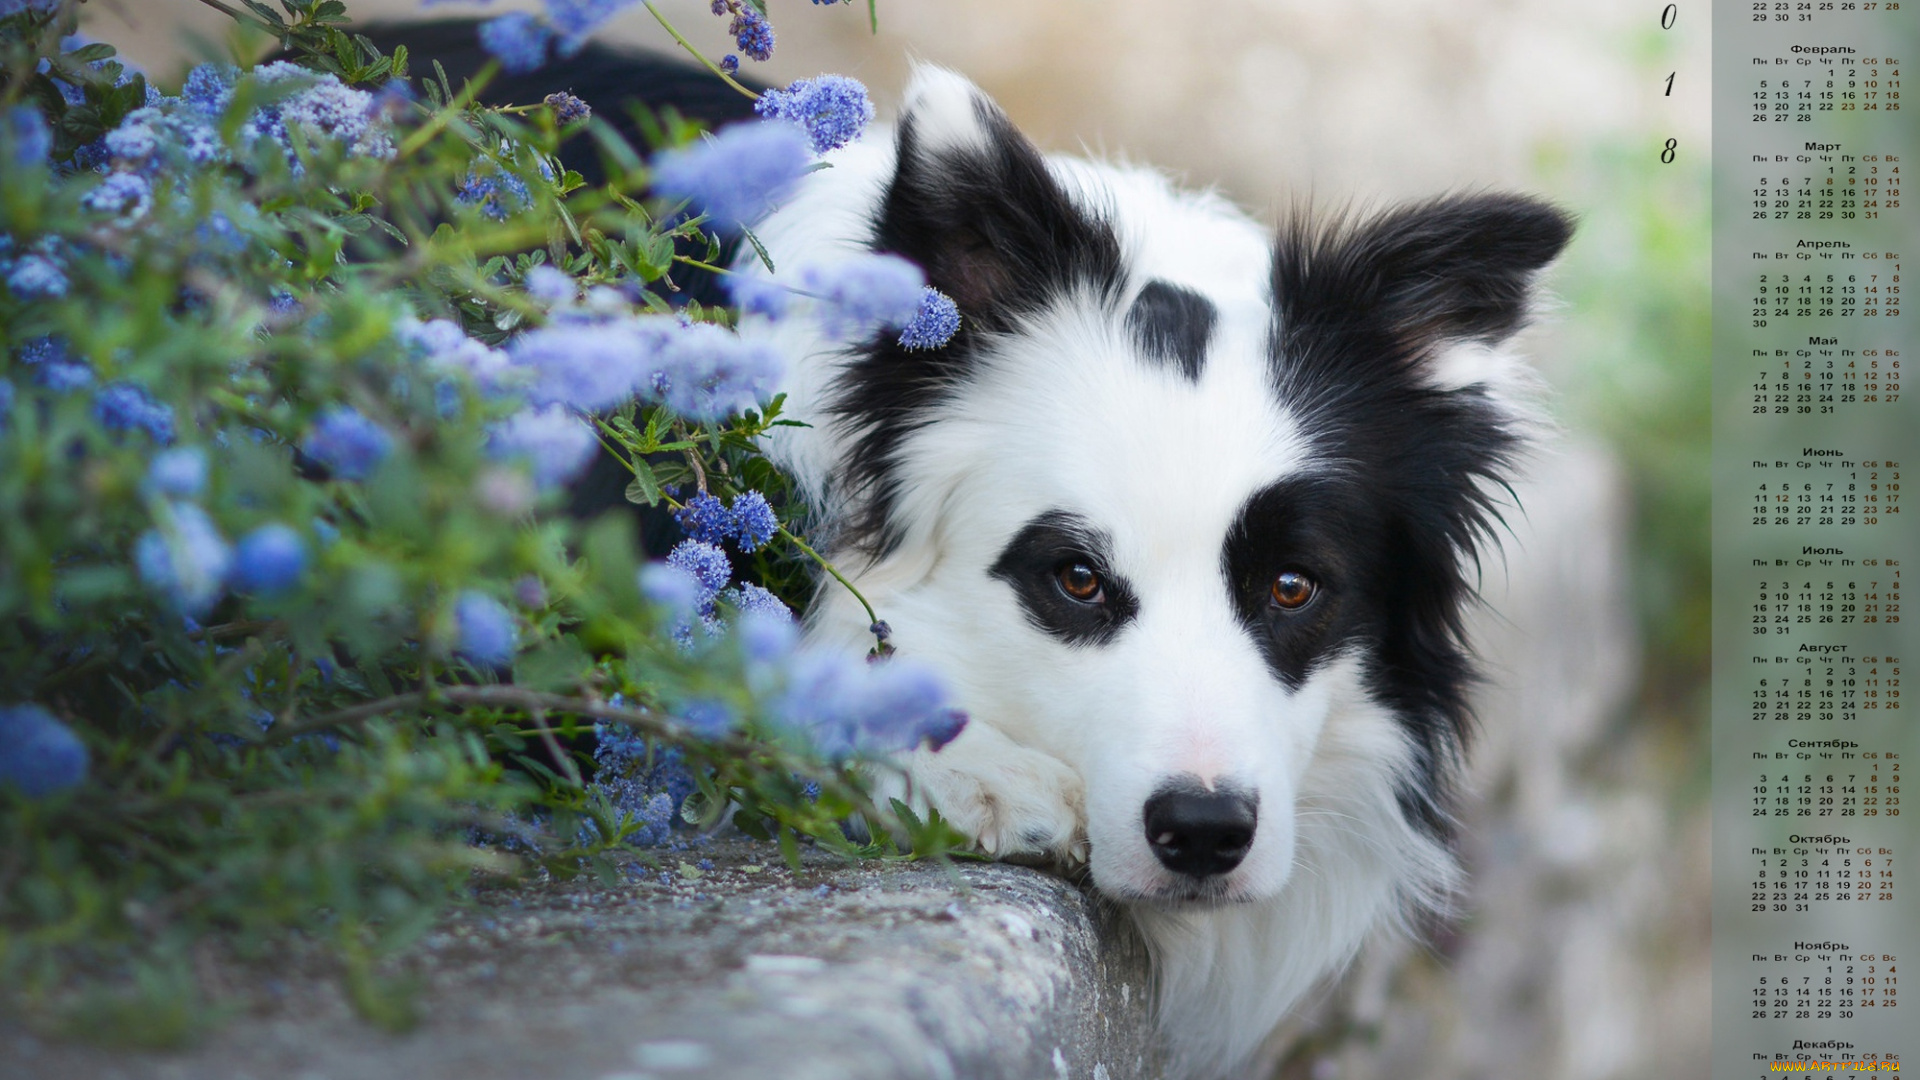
1814	432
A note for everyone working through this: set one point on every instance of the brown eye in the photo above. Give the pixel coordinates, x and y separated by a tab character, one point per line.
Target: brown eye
1078	580
1293	590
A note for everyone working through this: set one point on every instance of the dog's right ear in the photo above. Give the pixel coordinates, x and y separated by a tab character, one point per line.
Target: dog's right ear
975	205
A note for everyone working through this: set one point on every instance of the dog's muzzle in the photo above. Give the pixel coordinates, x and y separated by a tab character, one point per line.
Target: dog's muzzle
1199	833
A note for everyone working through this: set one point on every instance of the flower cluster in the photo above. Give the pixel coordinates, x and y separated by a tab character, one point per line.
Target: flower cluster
750	520
518	40
321	110
738	176
852	298
699	370
751	31
39	755
934	324
295	436
833	109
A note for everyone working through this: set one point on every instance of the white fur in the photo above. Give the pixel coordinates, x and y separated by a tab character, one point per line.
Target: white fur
1066	743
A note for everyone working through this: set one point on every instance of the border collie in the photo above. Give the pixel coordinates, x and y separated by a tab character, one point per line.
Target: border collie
1186	513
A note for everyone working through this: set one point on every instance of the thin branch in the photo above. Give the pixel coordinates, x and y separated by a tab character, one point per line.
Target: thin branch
498	696
700	56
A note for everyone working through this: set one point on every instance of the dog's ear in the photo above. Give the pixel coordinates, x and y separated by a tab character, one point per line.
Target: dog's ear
1442	284
974	204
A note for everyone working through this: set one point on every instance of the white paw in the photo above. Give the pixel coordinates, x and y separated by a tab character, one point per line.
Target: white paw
1014	802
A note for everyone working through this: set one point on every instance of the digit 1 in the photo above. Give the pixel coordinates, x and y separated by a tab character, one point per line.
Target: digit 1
1670	76
1666	152
1669	15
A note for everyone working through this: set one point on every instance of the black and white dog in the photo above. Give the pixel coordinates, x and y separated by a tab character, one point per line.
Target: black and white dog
1187	513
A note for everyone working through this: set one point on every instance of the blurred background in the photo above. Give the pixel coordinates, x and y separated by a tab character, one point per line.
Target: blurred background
1580	950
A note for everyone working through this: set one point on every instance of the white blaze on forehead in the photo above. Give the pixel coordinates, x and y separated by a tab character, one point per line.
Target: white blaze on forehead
1068	416
1193	239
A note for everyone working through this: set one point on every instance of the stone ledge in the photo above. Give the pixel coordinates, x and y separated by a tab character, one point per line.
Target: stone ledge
838	972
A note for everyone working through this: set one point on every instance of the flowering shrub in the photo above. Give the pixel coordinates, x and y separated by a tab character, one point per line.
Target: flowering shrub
297	635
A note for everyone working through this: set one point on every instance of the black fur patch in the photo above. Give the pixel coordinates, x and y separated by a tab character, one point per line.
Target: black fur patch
1031	562
993	231
1173	326
1404	506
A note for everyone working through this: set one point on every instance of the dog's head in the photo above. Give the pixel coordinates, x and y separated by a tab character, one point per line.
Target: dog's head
1181	497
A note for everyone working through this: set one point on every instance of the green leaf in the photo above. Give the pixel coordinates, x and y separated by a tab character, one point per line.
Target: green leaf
752	824
790	848
605	871
644	489
758	248
906	815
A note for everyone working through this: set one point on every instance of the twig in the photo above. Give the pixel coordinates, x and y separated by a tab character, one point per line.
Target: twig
698	55
559	754
503	696
828	567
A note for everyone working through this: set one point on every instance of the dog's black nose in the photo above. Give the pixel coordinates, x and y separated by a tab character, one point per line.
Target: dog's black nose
1200	833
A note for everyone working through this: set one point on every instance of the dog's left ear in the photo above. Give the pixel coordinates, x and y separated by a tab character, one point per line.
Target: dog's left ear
1442	284
975	204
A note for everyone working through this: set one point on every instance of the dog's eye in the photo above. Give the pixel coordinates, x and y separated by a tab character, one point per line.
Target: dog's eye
1293	590
1078	580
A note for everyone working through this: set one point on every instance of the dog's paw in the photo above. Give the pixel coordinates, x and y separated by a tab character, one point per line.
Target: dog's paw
1016	803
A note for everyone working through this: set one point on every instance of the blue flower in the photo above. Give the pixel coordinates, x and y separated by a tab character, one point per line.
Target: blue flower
753	520
40	7
179	473
185	559
707	373
935	324
518	40
737	176
168	136
550	285
347	443
324	110
708	565
673	588
865	292
443	345
567	108
767	631
705	518
270	559
125	195
554	440
576	19
847	706
486	634
54	367
756	603
589	366
709	719
209	88
499	194
752	32
756	294
125	407
730	64
833	109
26	136
39	755
37	277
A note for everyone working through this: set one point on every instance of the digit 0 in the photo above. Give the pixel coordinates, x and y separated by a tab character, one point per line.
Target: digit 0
1669	15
